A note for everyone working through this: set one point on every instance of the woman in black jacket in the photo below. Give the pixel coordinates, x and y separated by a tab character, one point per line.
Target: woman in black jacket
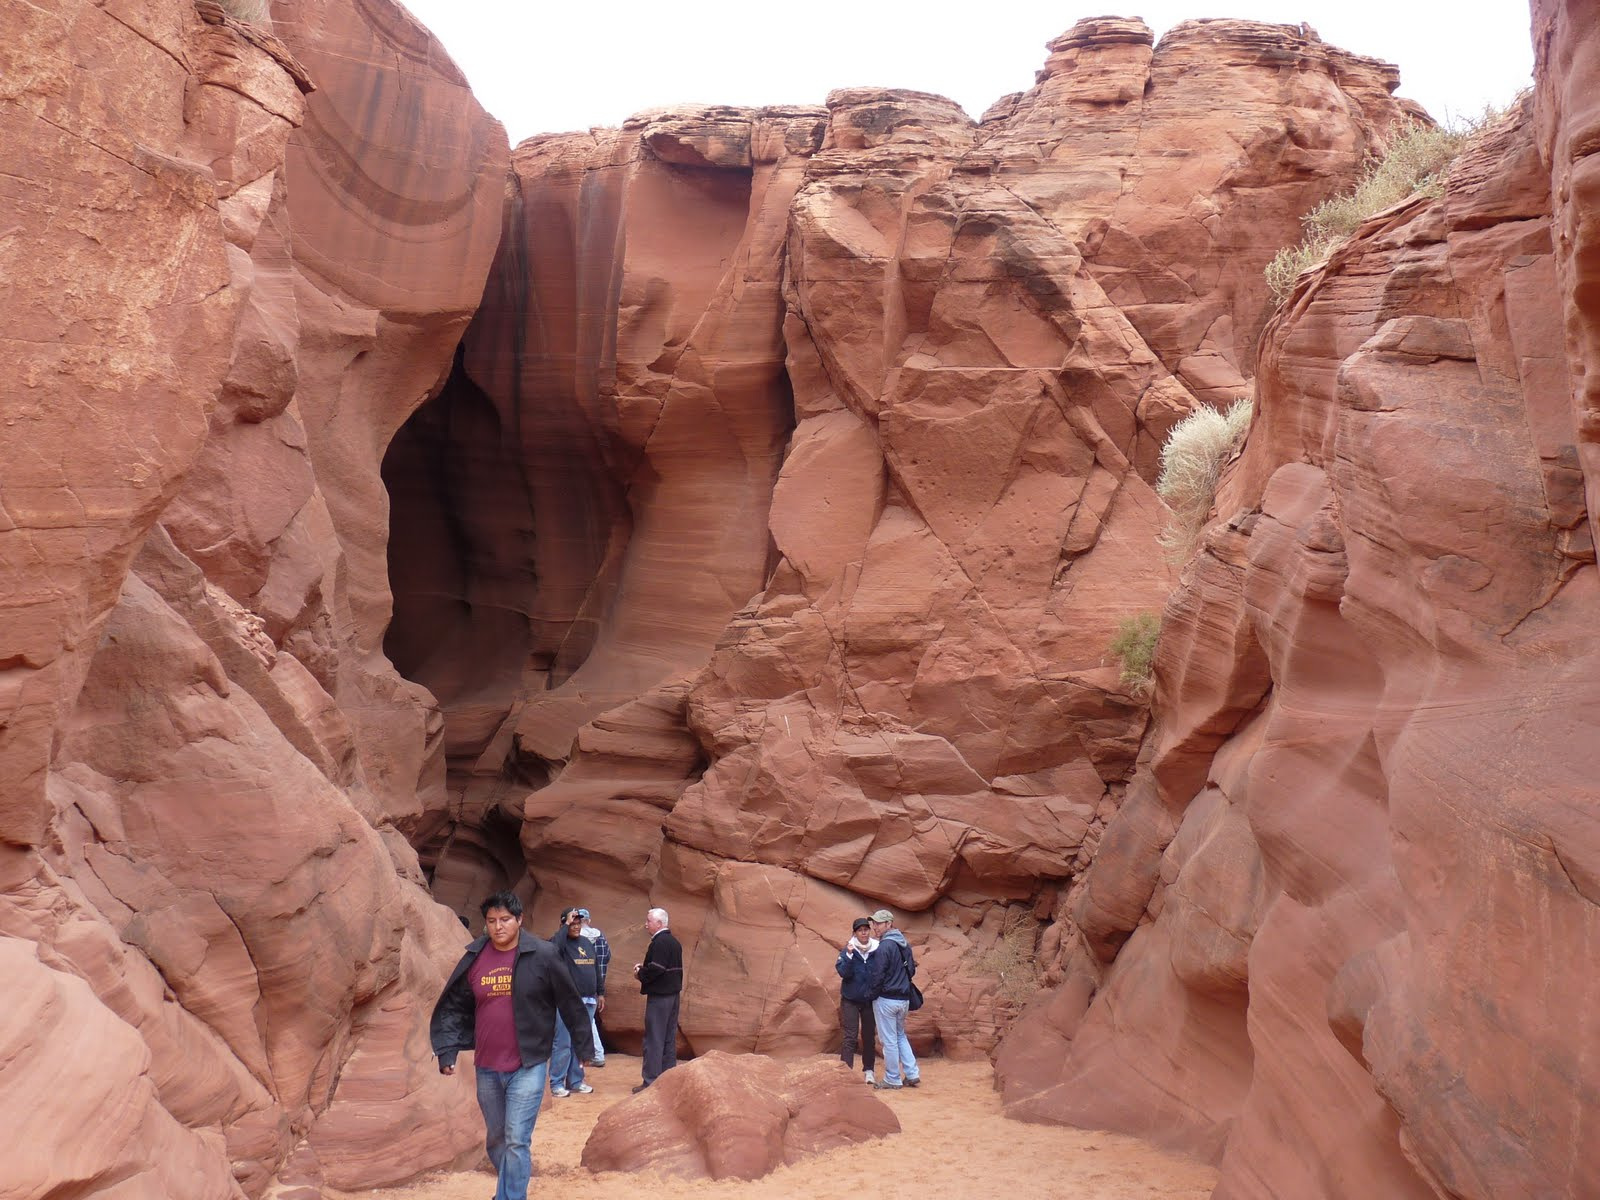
855	996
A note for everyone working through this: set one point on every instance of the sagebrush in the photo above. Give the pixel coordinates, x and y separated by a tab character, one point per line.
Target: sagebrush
1135	646
1417	160
257	12
1012	961
1191	465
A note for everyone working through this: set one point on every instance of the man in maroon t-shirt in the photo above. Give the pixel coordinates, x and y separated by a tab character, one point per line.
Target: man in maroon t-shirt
501	1003
495	1042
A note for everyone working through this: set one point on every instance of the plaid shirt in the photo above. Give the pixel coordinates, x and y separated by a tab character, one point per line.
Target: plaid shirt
602	954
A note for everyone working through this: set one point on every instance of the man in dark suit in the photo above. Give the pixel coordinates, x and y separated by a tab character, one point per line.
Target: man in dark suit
660	981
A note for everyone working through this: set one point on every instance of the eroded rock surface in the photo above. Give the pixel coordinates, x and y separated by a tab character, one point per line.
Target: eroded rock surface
794	478
761	543
737	1116
1344	922
224	298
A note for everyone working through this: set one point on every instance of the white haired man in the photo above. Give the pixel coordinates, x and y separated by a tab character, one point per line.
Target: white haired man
660	982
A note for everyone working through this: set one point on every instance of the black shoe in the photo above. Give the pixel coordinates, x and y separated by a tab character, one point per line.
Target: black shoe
641	1088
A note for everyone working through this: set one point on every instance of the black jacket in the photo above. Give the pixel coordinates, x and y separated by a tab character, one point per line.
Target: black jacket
540	987
854	969
891	967
582	962
661	973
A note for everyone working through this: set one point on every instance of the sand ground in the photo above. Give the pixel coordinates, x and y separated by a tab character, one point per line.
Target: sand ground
953	1144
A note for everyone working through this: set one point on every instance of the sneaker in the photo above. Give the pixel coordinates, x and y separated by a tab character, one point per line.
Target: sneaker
640	1088
870	1081
560	1093
917	1082
887	1087
583	1089
599	1062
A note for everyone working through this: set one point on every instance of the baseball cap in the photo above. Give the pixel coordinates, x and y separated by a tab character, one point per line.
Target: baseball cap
883	914
860	923
584	913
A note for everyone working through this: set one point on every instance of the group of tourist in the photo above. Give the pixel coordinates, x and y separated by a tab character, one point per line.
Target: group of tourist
529	1011
875	991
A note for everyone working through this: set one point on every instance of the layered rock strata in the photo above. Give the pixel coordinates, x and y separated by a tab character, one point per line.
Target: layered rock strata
794	478
228	285
1343	923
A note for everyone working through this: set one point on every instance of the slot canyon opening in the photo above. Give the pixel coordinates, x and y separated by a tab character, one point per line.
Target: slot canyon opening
581	509
505	534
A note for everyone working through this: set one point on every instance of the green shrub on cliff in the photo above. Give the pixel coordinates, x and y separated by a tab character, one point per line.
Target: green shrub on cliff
1191	465
1416	161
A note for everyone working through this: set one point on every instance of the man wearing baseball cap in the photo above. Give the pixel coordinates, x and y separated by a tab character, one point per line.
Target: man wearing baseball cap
602	963
566	1067
889	973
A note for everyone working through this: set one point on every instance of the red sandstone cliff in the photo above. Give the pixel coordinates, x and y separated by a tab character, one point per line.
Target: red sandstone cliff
225	294
1344	923
1344	854
761	543
772	677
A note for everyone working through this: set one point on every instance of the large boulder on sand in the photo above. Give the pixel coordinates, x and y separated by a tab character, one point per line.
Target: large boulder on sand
737	1116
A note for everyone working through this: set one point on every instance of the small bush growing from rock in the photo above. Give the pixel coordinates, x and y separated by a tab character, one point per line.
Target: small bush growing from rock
1191	464
1135	645
257	12
1417	161
1012	960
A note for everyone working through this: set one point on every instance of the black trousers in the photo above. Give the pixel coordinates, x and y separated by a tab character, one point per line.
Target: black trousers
660	1035
854	1017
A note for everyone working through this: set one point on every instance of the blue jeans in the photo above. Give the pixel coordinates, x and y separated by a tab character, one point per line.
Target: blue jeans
599	1059
510	1102
566	1068
899	1064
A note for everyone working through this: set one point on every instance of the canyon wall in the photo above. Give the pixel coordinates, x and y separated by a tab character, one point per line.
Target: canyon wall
1320	908
237	257
758	491
1345	921
764	547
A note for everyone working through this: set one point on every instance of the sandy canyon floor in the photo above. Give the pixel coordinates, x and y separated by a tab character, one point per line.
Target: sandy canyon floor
953	1144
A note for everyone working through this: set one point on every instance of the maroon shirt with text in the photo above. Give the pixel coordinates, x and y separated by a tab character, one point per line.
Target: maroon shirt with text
495	1044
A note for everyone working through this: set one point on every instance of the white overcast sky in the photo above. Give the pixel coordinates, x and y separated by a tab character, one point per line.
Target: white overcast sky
545	66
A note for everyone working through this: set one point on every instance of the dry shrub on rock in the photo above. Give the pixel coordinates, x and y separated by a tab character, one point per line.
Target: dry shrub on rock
1191	464
1417	160
1012	961
1135	646
257	12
